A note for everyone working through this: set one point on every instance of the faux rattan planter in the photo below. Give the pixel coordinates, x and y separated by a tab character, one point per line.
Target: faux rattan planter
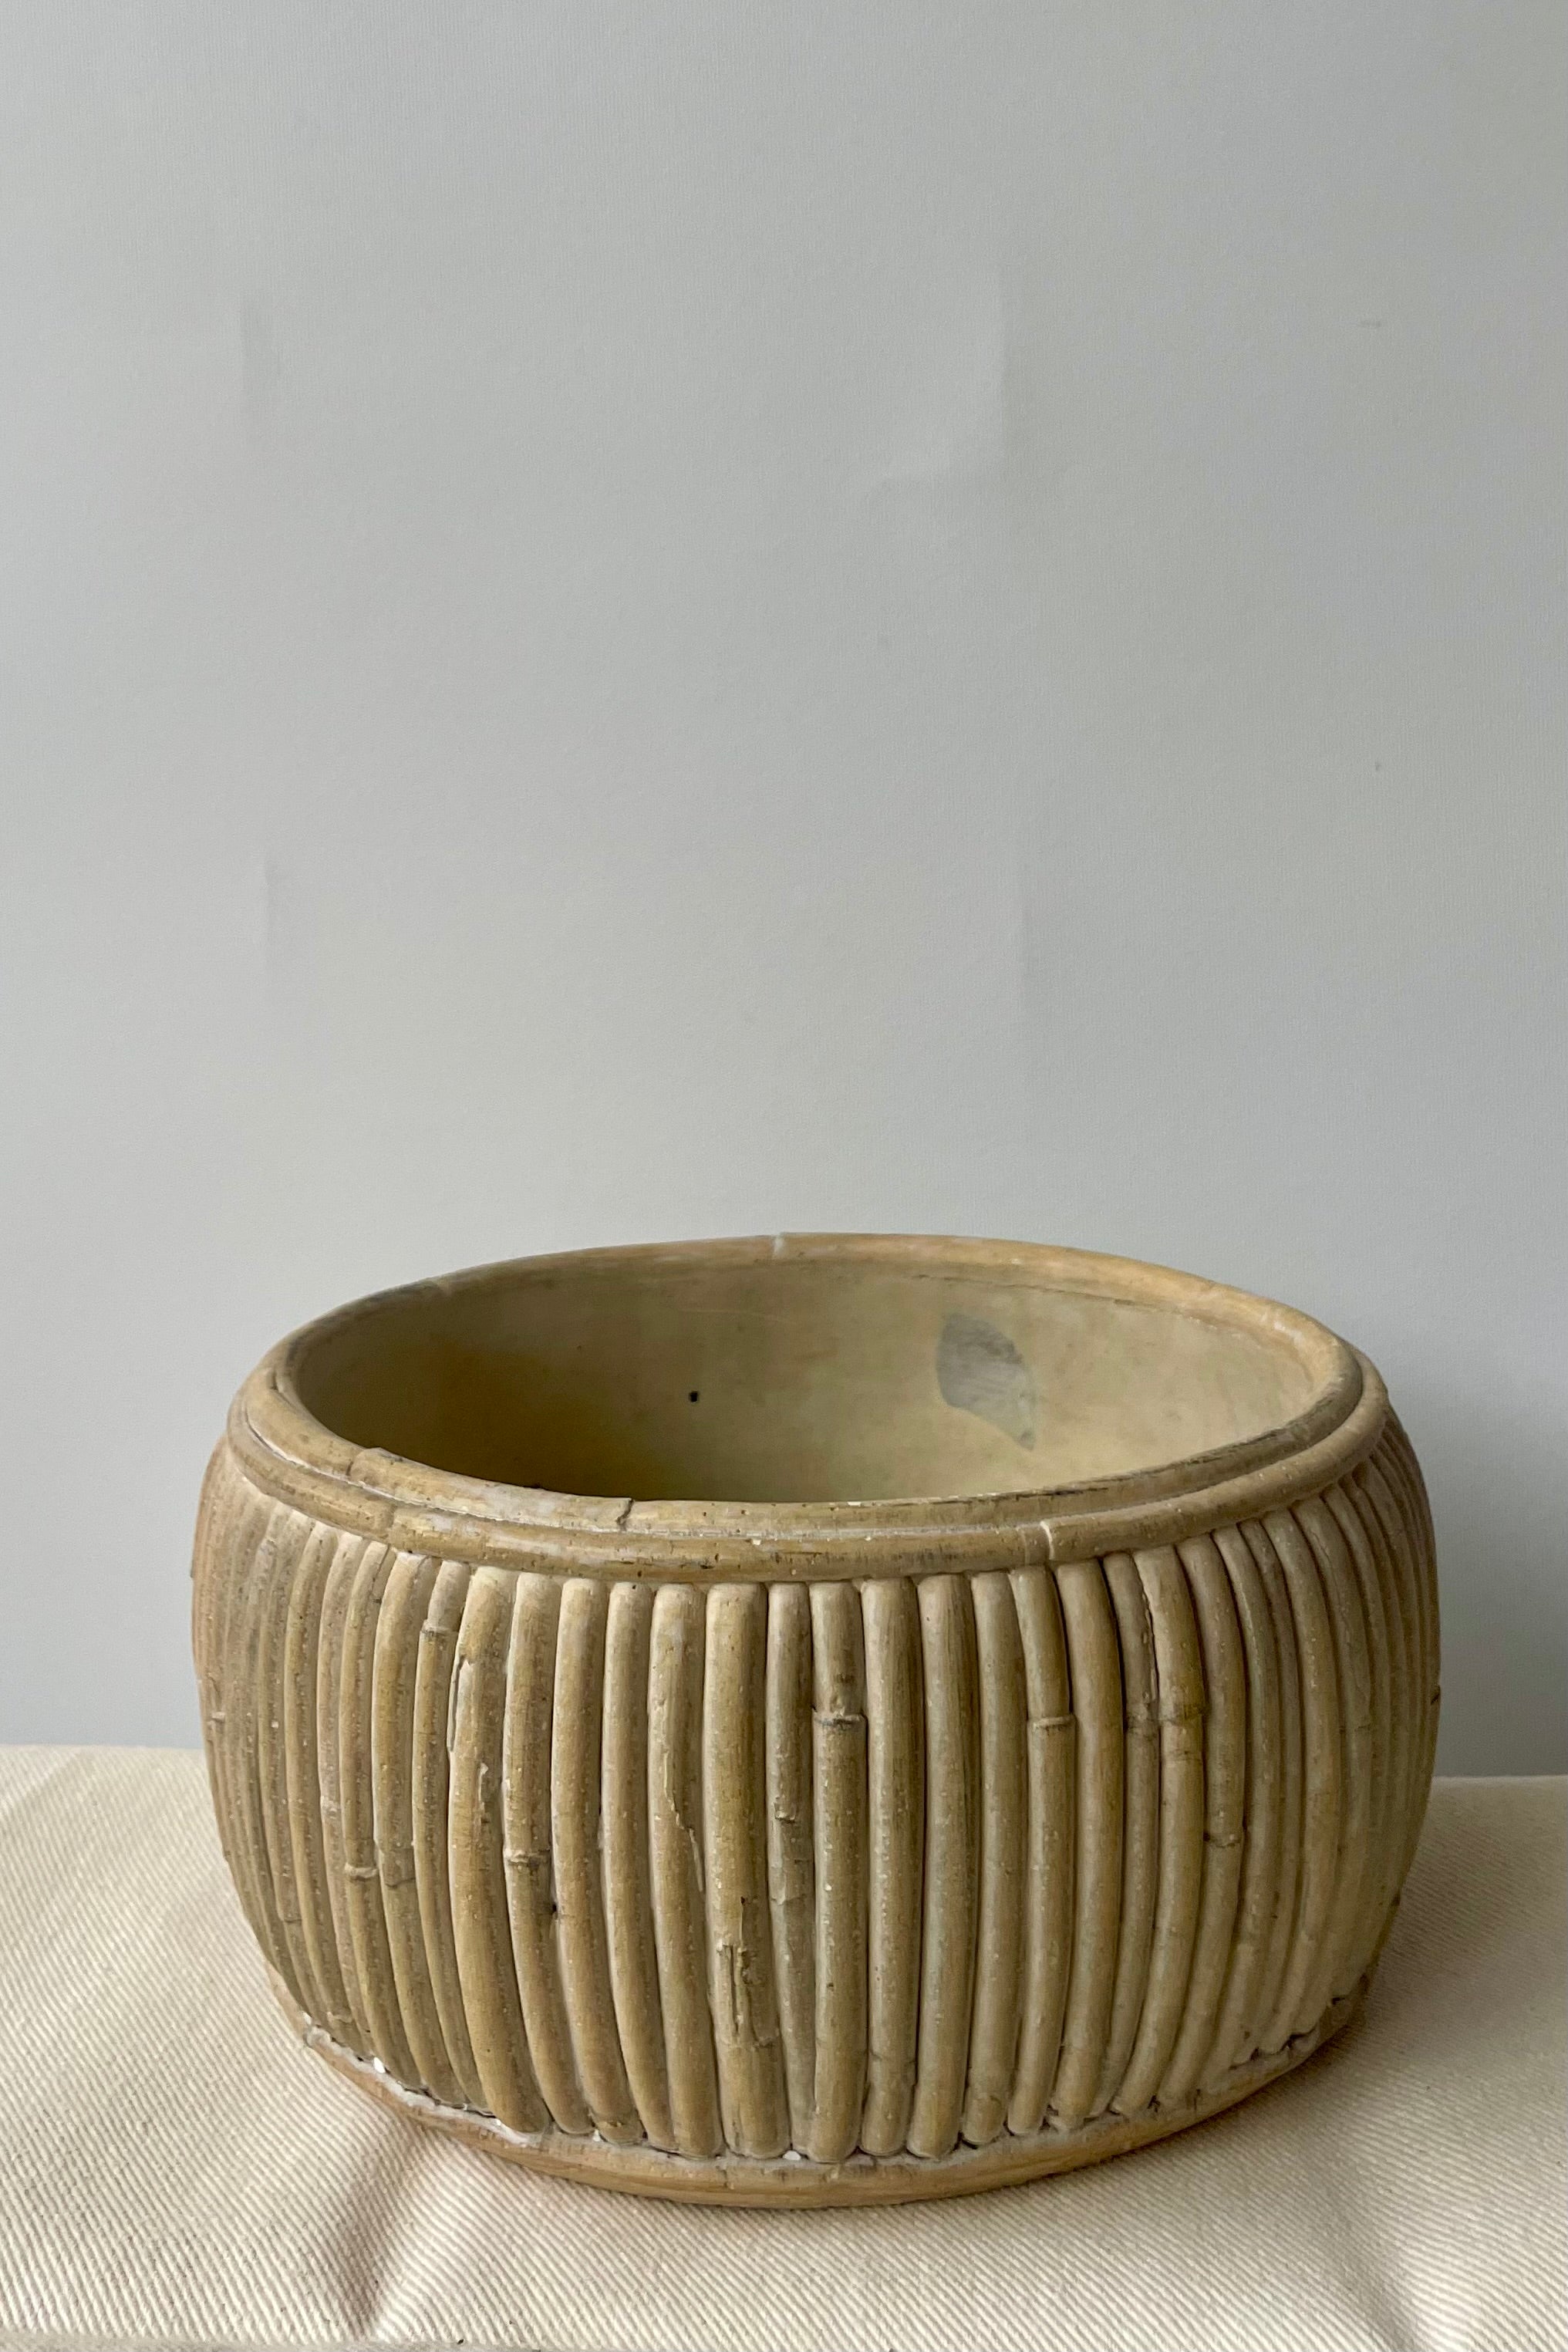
812	1844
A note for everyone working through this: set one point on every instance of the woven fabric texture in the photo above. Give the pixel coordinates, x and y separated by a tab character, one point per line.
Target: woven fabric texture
176	2171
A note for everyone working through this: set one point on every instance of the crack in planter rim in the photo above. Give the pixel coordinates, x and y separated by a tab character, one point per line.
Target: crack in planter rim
295	1458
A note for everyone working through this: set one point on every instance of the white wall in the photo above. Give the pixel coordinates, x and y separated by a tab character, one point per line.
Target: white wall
678	619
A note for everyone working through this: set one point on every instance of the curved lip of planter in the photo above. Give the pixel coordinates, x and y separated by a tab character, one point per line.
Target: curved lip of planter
294	1458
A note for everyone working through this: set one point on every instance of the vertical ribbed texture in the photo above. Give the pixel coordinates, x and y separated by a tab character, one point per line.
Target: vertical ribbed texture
1322	1771
1224	1800
675	1855
481	1930
628	1891
1140	1818
822	1866
262	1527
217	1486
301	1647
1390	1710
895	1784
1352	1671
791	1845
220	1568
528	1850
839	1818
1004	1800
734	1851
1258	1893
1178	1668
1049	1849
576	1745
337	1592
1396	1499
1271	2032
952	1863
405	1598
361	1870
1094	1664
290	1533
435	1691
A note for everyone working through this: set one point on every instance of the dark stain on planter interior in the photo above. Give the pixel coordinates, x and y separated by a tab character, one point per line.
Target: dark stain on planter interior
980	1371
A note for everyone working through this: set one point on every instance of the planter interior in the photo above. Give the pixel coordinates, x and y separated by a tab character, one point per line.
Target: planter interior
784	1377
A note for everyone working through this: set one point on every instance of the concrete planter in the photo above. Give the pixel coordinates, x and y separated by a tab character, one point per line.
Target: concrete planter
618	1766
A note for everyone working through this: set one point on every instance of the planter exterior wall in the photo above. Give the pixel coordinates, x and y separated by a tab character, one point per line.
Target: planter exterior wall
879	1856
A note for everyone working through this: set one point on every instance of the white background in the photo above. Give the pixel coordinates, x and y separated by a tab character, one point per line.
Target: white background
631	622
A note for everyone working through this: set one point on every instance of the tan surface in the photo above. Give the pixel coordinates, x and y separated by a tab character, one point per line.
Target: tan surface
817	1368
177	2172
681	1847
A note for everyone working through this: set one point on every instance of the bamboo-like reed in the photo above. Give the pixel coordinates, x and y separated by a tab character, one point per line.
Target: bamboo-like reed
303	1786
1182	1704
527	1851
1140	1818
792	1845
1004	1799
362	1868
1258	1893
337	1593
576	1753
896	1777
400	1625
628	1894
482	1934
435	1691
952	1864
1225	1790
735	1854
675	1712
839	1832
1095	1664
1050	1888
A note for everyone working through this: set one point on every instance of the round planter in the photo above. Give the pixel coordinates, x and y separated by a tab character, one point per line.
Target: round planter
816	1719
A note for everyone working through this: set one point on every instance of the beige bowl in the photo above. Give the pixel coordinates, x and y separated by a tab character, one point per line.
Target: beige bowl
816	1719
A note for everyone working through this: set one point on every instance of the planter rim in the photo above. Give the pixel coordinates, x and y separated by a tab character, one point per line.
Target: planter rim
418	1507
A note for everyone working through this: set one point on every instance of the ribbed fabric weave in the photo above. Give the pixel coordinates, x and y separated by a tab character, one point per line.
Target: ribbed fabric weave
176	2171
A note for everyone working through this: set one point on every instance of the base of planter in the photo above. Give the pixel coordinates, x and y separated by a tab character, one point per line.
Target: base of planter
793	2180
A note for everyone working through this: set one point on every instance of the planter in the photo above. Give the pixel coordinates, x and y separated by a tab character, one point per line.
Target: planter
617	1767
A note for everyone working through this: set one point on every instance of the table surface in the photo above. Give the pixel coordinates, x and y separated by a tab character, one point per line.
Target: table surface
175	2169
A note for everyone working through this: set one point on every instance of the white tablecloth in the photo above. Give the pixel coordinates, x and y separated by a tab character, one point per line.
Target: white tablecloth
175	2169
